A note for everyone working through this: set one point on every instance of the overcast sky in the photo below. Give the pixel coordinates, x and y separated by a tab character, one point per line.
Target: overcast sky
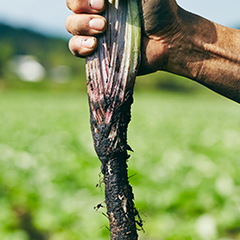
48	16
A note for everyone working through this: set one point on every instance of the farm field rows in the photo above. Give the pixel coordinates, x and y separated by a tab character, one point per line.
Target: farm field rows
185	167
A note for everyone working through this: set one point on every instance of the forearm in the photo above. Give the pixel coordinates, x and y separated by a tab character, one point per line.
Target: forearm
207	53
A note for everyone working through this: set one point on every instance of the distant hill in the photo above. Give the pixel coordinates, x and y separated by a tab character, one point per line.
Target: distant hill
52	53
49	51
24	41
27	42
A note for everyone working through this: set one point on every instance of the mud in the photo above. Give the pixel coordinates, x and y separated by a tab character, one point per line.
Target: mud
119	200
106	147
110	142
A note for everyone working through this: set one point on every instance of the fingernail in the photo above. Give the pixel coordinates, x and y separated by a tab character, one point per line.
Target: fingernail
88	43
97	24
97	4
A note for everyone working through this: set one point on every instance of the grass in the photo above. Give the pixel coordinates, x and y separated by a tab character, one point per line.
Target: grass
186	161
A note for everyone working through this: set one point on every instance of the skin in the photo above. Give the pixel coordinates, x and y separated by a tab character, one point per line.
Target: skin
178	42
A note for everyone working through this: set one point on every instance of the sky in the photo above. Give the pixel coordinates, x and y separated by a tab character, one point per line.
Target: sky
48	16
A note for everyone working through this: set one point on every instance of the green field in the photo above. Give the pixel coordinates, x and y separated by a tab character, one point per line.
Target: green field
186	161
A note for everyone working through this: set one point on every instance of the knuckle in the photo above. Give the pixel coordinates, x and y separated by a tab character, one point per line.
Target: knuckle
75	46
75	6
68	23
78	6
69	4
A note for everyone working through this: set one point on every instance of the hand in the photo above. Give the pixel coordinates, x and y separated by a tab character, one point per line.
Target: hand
84	25
157	35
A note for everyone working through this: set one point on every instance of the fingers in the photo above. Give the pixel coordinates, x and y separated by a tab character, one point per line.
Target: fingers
83	27
86	6
85	24
82	46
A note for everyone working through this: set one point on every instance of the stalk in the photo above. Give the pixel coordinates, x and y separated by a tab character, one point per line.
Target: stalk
111	73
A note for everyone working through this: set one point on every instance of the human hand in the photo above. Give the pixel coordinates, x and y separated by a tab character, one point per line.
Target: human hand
84	25
157	35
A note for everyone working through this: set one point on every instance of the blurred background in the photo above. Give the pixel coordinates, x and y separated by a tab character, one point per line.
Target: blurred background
185	164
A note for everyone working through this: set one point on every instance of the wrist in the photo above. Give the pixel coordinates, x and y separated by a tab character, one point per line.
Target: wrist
153	55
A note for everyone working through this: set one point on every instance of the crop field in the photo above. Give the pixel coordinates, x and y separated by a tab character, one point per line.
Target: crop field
184	170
